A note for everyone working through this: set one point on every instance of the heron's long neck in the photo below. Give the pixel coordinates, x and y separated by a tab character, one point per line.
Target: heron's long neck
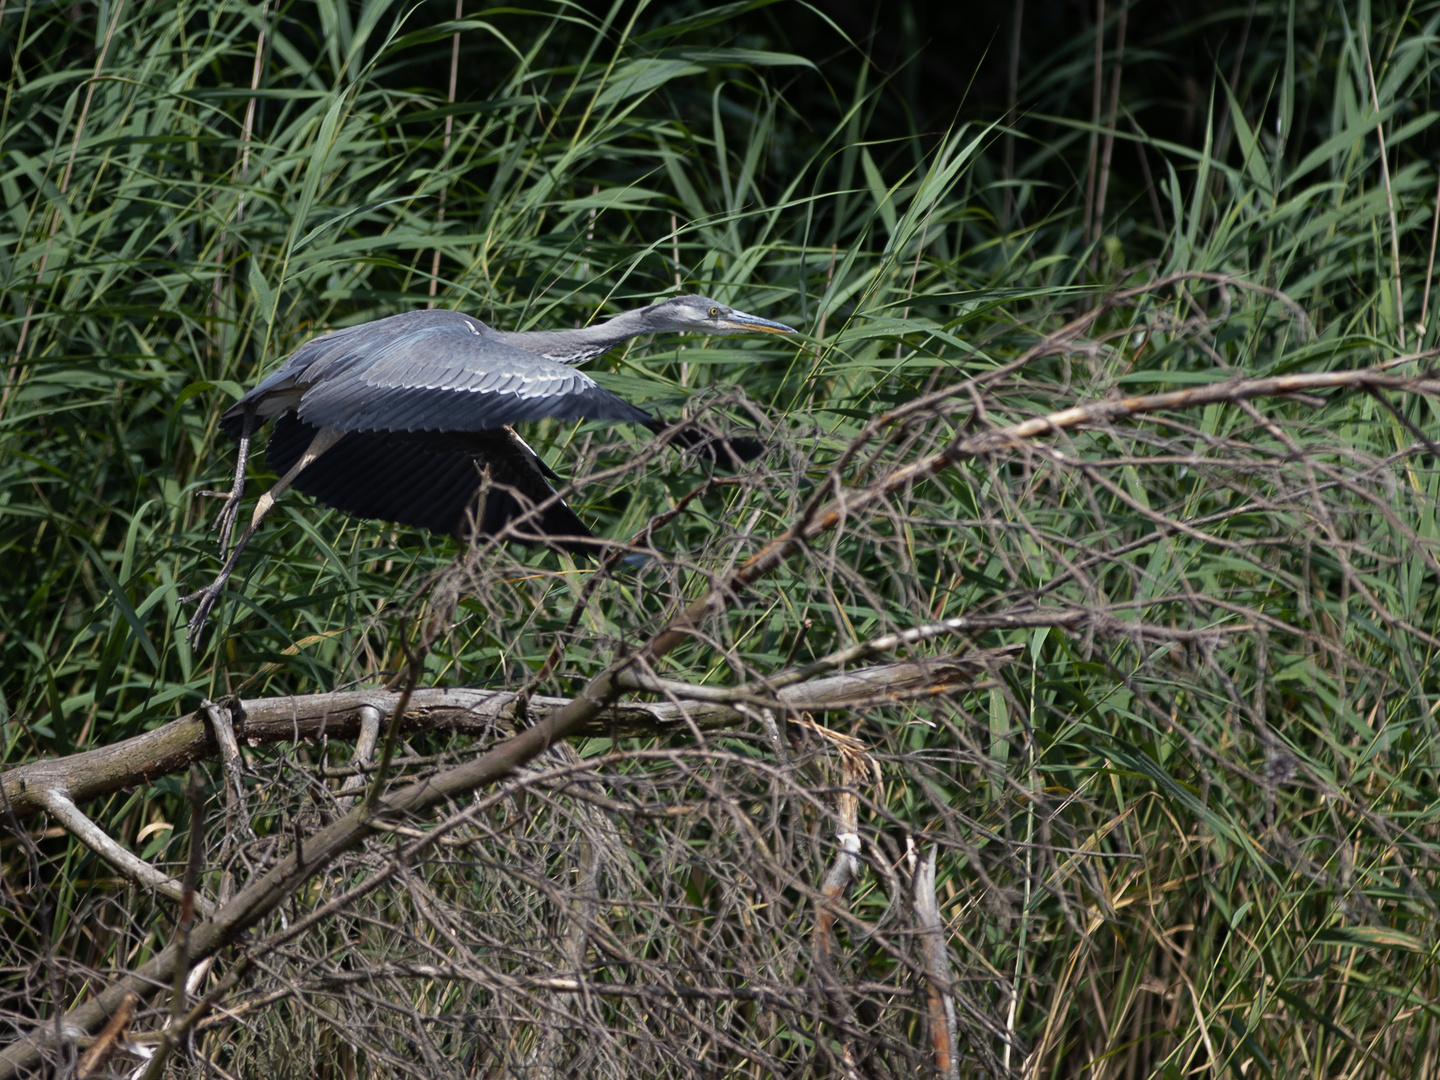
577	346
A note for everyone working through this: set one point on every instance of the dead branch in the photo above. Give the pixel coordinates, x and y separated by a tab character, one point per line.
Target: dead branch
111	1039
140	760
935	962
55	802
856	766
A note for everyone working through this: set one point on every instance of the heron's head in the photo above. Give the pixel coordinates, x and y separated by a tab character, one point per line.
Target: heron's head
700	314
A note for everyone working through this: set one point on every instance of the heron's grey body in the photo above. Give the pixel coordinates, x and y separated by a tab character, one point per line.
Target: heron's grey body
429	371
405	418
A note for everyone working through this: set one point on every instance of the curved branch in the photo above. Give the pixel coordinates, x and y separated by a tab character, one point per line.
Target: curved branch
95	838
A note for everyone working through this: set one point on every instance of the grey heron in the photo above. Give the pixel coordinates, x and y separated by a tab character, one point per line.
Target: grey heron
403	418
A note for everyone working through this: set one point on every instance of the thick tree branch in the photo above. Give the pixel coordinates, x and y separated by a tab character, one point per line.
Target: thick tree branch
170	749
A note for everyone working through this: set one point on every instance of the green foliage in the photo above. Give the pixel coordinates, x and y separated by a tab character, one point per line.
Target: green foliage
1195	835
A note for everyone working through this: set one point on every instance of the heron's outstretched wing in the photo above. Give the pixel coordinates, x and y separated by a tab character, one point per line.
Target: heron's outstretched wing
426	371
433	480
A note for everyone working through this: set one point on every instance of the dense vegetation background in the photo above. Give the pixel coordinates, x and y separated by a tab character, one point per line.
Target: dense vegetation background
1190	828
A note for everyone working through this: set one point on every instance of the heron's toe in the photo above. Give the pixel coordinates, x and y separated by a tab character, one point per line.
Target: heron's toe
206	597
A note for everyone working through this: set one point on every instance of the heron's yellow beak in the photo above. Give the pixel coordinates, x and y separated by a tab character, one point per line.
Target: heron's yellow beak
740	322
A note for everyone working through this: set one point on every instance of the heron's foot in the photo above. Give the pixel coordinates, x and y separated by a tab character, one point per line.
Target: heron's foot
711	445
225	520
206	598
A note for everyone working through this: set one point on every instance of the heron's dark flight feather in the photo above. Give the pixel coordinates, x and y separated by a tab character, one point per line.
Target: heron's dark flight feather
431	480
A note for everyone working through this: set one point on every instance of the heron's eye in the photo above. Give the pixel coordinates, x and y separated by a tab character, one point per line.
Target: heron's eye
714	312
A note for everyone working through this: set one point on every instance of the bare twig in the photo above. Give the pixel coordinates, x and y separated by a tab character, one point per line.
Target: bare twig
364	751
890	678
414	661
223	730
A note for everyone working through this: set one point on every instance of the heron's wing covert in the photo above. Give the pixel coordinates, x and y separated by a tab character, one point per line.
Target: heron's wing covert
432	371
432	480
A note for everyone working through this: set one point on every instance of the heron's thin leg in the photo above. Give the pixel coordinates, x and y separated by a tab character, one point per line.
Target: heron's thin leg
225	521
324	439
